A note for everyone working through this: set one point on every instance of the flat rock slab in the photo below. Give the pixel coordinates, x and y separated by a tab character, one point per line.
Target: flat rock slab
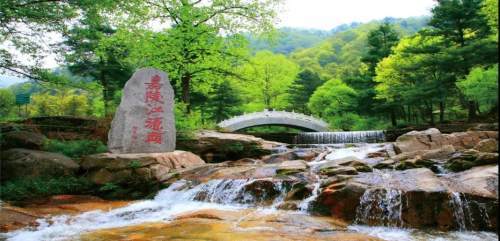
144	122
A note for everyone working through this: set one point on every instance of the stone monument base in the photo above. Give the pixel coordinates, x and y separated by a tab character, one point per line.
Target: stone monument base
117	168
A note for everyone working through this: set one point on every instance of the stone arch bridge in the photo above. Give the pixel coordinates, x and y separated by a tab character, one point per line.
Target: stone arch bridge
281	118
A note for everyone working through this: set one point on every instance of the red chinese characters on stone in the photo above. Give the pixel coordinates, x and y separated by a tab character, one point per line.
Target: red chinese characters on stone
153	94
153	122
154	137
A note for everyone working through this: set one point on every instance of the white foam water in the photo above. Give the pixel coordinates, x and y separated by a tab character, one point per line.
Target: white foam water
168	203
381	205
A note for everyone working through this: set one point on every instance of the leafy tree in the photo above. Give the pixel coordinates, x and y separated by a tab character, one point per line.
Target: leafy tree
7	101
194	44
85	57
416	75
334	98
302	88
224	101
490	10
25	24
465	31
481	85
380	42
268	78
58	103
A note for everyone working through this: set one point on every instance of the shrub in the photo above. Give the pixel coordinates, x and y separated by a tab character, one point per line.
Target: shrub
76	148
24	189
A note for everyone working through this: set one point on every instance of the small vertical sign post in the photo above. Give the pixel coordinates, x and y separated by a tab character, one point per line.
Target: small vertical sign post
23	99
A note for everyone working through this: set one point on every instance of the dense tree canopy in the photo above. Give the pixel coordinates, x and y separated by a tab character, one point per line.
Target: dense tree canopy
224	57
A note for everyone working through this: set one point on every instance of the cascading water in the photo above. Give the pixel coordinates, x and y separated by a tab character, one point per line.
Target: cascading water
381	206
176	199
305	204
460	210
340	137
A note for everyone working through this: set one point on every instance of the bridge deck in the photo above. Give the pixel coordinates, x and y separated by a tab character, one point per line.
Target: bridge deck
284	118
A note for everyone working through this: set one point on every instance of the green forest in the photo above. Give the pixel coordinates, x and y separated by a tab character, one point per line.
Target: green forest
227	57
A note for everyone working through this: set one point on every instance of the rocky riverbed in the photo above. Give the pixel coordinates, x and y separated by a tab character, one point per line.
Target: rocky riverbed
424	186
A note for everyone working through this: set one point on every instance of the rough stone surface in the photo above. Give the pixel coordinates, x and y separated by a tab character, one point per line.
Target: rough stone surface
22	163
144	122
433	139
215	146
466	159
480	181
22	139
110	167
487	145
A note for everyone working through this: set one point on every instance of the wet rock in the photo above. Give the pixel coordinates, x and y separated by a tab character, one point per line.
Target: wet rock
416	162
118	168
306	155
22	139
23	163
219	147
12	218
478	181
487	145
412	198
262	190
288	206
244	161
441	153
280	157
234	225
385	164
470	158
291	167
338	170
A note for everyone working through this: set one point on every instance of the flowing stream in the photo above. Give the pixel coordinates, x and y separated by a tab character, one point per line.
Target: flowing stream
181	197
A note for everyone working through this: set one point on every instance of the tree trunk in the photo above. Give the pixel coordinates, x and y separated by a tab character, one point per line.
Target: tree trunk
185	82
393	117
432	114
105	93
441	112
472	111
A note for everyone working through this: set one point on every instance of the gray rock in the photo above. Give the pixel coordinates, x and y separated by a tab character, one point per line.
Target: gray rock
23	163
23	139
144	121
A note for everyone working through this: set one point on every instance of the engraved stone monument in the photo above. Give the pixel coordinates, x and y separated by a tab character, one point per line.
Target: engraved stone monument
144	122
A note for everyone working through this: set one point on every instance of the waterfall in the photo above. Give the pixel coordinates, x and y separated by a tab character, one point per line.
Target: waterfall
381	206
468	215
304	205
340	137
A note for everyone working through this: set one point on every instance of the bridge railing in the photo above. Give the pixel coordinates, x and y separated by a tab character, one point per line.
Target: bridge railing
272	113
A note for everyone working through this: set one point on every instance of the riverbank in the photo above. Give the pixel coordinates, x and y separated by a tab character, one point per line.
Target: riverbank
425	185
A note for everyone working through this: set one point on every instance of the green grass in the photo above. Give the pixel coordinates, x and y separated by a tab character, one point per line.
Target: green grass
76	148
31	188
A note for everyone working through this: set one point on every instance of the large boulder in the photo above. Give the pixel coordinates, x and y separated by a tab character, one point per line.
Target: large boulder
412	198
23	163
433	139
110	167
144	121
487	145
22	139
479	181
466	159
218	147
